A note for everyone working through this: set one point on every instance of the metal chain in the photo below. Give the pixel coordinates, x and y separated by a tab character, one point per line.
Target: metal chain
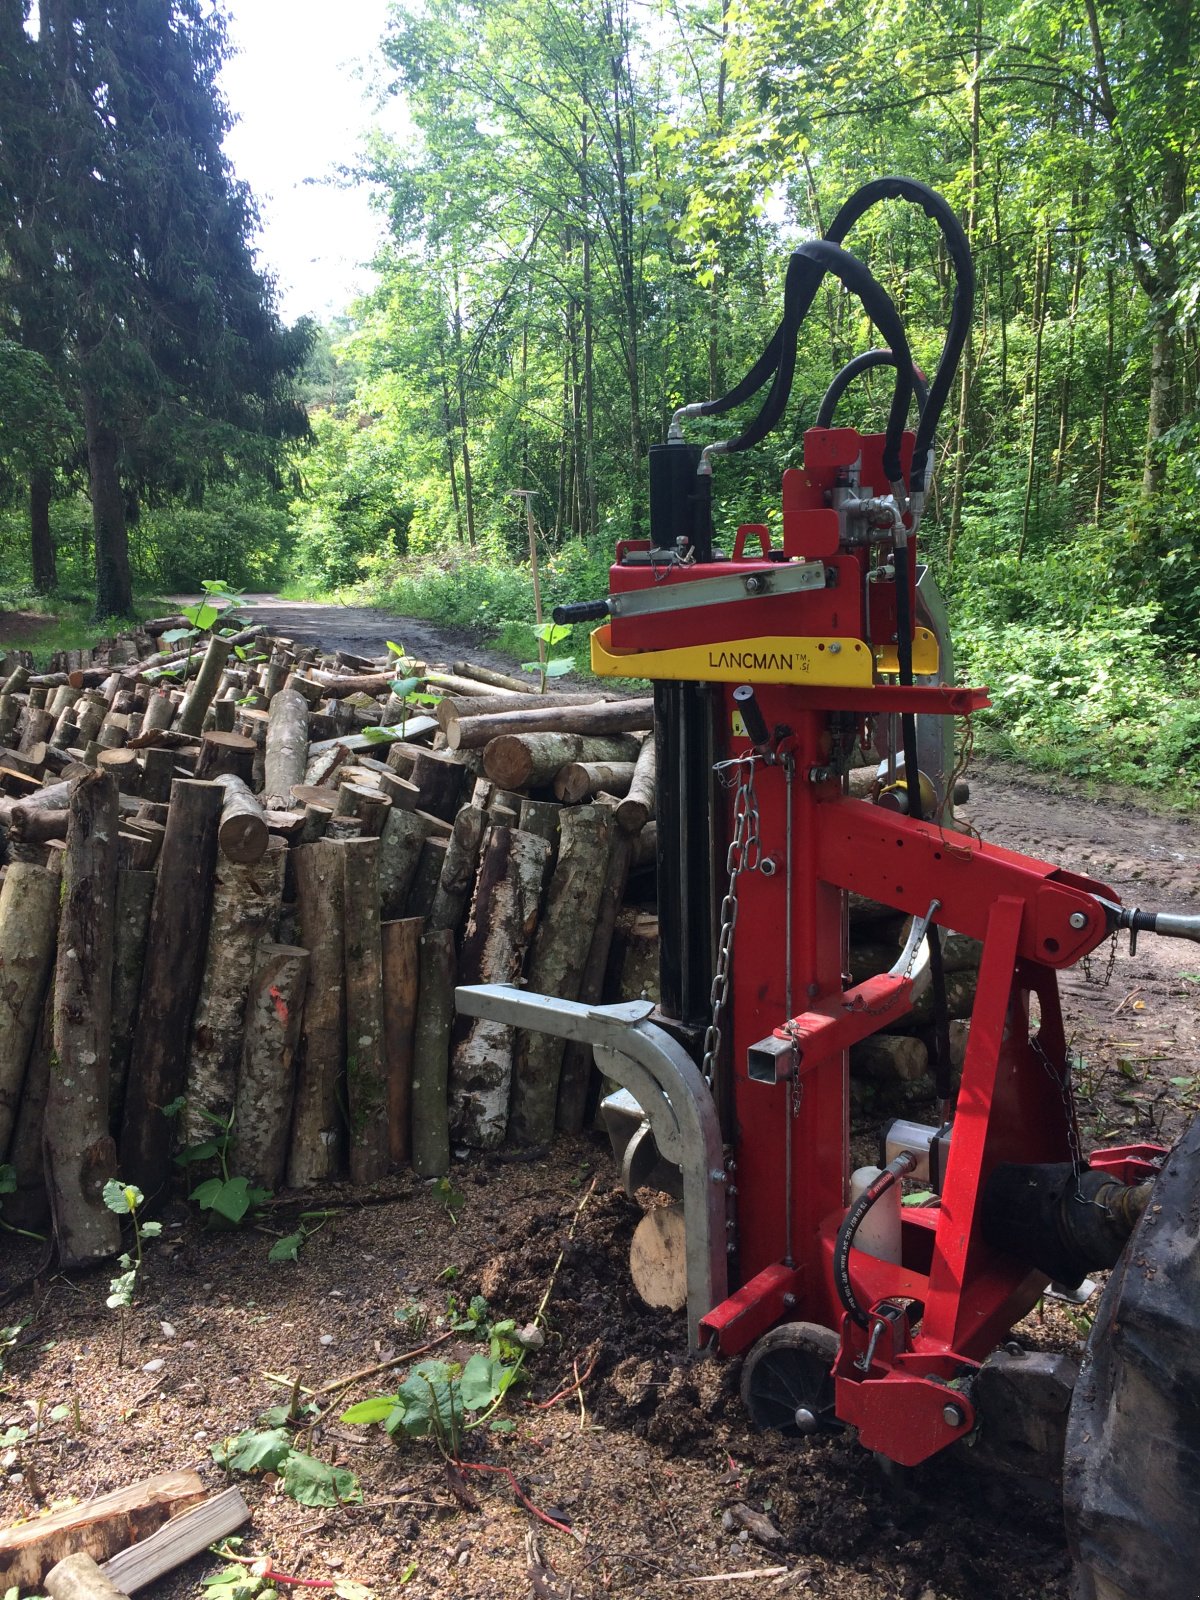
743	855
1086	964
1063	1082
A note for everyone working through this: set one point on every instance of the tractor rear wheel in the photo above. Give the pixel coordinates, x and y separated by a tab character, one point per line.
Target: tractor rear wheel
1131	1482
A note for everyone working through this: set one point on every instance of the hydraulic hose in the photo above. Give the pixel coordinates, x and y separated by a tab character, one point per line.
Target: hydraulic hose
866	362
844	1284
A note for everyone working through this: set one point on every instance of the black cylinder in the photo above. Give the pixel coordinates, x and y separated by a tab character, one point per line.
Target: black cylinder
683	732
680	500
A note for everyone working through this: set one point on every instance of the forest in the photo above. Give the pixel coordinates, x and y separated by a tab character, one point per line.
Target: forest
587	224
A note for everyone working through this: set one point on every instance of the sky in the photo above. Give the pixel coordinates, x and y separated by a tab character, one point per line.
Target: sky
297	88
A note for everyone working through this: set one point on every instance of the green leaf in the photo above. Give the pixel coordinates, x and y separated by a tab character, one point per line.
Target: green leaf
176	635
197	1152
287	1248
174	1107
396	649
122	1198
482	1381
348	1589
201	616
150	1230
502	1425
560	664
314	1483
403	687
253	1450
377	1409
426	1401
229	1198
552	632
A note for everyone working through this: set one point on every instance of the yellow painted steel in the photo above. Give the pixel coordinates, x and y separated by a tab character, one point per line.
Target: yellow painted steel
770	658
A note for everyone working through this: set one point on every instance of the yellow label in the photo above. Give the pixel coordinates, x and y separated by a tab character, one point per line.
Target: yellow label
771	658
737	727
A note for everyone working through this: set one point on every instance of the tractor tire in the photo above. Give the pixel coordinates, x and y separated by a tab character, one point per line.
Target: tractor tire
1131	1481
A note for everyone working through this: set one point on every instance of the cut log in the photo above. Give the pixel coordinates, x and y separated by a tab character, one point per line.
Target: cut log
178	1540
287	747
498	680
366	1069
80	1154
400	844
315	1152
401	942
556	965
226	754
28	1205
79	1578
580	780
458	869
338	685
199	696
528	760
427	878
266	1083
33	827
431	1055
399	791
242	832
438	780
246	898
483	705
595	721
135	895
28	925
370	806
50	797
503	918
171	982
890	1056
99	1527
159	712
637	808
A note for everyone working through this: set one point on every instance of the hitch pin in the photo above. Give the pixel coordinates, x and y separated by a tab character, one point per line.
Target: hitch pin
864	1361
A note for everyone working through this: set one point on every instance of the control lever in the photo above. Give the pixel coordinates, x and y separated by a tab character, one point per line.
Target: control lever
756	724
1169	924
580	611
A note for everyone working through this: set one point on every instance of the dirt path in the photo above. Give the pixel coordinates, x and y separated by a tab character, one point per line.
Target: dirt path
645	1461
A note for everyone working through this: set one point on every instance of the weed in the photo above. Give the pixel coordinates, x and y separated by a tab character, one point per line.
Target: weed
224	1196
309	1481
548	634
289	1247
209	615
124	1199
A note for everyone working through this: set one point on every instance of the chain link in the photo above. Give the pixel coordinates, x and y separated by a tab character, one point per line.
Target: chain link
1066	1088
1086	965
743	855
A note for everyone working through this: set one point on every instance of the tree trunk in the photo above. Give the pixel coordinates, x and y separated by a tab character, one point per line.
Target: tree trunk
1105	390
1041	277
320	899
28	927
531	760
266	1081
287	748
366	1066
503	918
458	869
114	584
577	1057
967	376
43	557
431	1055
170	983
637	808
401	990
80	1154
246	900
560	950
605	717
135	896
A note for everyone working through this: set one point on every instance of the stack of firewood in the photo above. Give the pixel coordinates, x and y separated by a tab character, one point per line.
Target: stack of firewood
241	883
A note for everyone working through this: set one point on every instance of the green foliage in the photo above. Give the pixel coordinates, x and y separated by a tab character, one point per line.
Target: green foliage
125	1199
224	1195
309	1481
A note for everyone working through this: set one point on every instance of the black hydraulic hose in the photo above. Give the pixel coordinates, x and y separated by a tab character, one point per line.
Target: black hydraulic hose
843	1283
865	362
959	251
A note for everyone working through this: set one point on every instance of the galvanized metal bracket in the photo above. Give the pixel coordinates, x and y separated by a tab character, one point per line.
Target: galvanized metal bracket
666	1083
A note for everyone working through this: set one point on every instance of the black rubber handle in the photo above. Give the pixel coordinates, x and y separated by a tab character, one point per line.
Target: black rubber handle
580	611
756	727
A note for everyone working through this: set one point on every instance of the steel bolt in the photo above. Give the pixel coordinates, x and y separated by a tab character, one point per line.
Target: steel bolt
835	649
789	1302
953	1415
753	585
1078	919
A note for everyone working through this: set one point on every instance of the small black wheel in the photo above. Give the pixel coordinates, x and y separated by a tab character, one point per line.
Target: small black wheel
787	1382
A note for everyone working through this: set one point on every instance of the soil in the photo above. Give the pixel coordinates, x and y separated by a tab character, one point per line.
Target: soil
23	627
644	1459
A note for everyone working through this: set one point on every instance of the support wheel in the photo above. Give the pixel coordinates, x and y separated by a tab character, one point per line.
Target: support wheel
787	1384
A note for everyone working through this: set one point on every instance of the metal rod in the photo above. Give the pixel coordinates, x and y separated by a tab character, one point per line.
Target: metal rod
789	771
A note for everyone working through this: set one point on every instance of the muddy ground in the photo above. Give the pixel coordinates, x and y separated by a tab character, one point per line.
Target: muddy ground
642	1462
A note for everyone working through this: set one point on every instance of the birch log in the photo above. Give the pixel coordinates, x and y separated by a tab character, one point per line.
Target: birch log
80	1154
315	1150
529	760
266	1081
366	1069
287	747
503	917
401	944
175	951
246	898
28	925
559	954
135	896
431	1055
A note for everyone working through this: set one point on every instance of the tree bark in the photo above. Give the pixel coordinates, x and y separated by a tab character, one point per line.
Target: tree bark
556	964
366	1070
580	780
246	900
80	1154
171	982
266	1081
605	717
458	869
532	760
135	896
242	832
204	686
401	990
226	755
316	1124
114	584
502	921
400	843
637	808
287	747
43	557
28	927
431	1055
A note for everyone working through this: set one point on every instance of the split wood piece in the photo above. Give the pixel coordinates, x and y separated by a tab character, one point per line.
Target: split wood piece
325	763
243	832
28	926
637	808
582	779
80	1154
531	760
39	725
286	748
10	709
556	966
366	1065
287	825
428	876
99	1527
30	762
430	1135
404	833
439	781
314	1154
370	806
226	754
542	817
28	1205
158	774
316	822
222	715
266	1082
79	1578
135	895
136	852
401	945
178	1540
246	898
458	869
91	716
175	952
503	918
577	1060
17	680
311	692
598	720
